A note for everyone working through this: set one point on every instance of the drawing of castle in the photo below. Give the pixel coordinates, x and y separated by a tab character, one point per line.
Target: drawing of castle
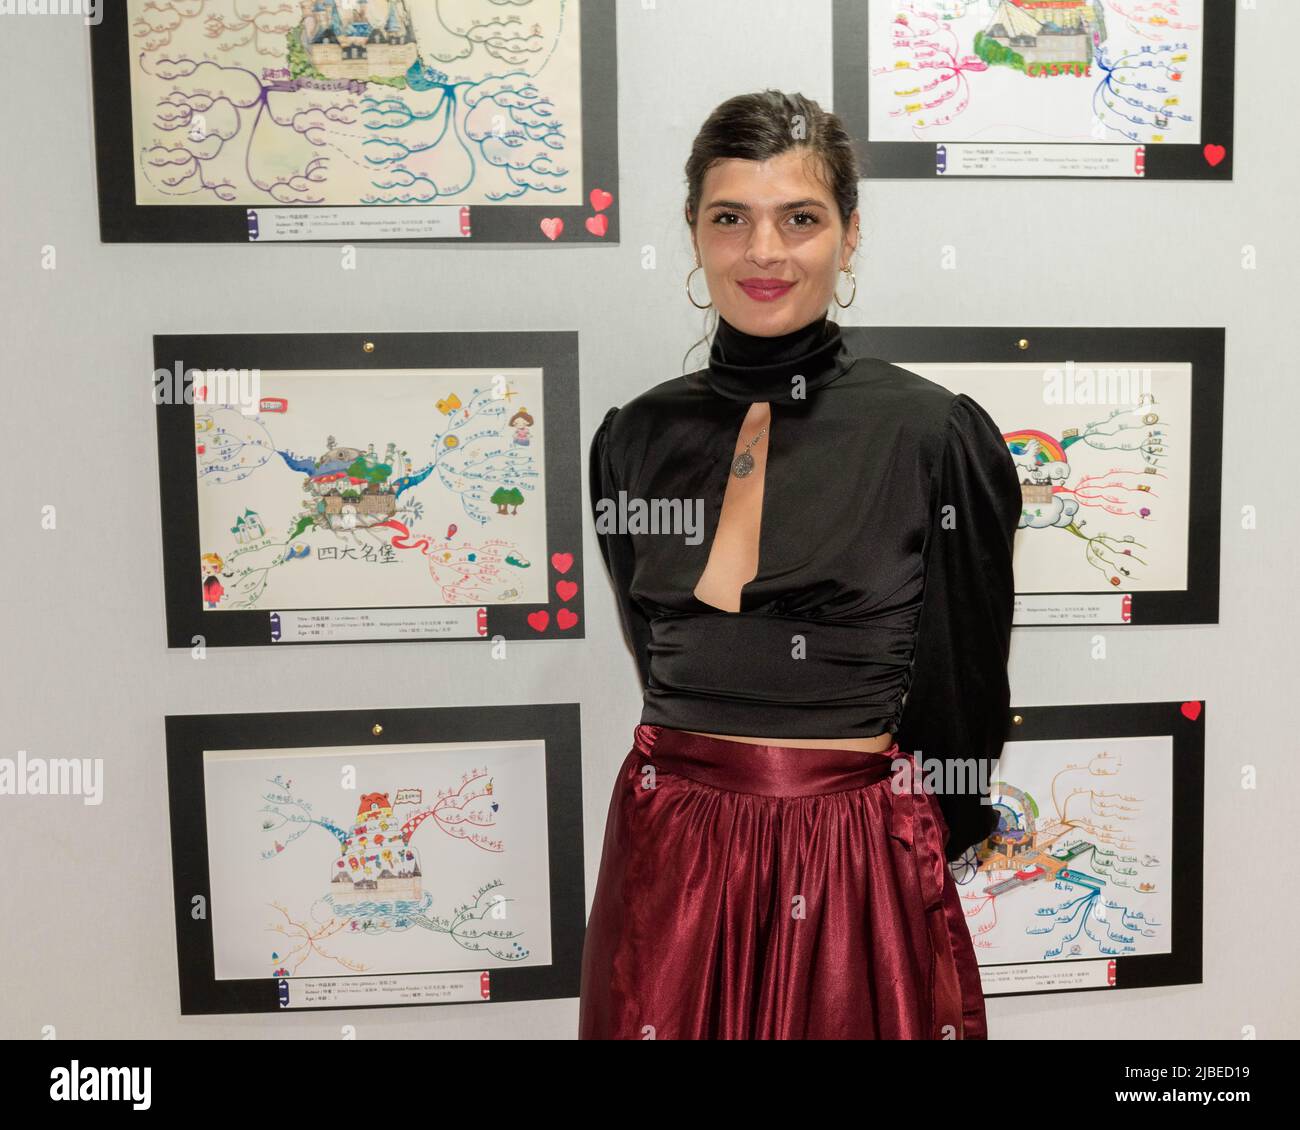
348	476
248	527
1043	31
345	44
375	862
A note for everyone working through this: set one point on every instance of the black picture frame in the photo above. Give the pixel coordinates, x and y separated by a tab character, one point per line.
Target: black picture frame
554	351
188	735
123	220
1200	347
1183	964
922	160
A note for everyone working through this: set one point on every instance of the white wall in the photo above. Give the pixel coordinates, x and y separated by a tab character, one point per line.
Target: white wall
86	935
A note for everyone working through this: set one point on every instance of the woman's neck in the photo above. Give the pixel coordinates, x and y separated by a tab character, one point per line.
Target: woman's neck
748	367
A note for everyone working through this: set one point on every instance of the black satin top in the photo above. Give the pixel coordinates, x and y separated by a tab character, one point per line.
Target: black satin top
883	598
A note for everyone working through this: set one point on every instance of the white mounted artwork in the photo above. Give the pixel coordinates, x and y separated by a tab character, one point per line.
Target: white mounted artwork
1082	864
1104	455
329	862
373	489
355	102
990	71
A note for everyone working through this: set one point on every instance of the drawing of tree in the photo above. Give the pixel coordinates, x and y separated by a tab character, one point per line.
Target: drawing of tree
507	496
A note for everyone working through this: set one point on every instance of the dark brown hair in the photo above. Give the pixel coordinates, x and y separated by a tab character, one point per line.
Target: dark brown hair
758	127
763	125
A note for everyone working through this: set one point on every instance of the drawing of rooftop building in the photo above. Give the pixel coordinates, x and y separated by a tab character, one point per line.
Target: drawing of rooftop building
344	43
1047	31
405	885
373	863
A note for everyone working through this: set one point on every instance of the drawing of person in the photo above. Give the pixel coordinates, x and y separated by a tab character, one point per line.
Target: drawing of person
525	421
210	568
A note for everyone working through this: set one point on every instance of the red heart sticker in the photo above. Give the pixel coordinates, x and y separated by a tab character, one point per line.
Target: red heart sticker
598	225
1191	710
561	562
565	619
538	620
1215	154
551	228
566	590
600	199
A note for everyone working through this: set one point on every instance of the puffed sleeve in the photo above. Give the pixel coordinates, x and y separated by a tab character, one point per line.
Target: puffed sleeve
616	547
959	695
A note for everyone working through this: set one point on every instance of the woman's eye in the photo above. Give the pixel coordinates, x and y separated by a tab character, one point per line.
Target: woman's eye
724	219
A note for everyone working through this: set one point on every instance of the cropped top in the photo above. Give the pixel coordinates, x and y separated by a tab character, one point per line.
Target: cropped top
883	597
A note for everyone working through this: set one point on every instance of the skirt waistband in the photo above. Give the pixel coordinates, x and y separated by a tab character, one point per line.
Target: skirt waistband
768	770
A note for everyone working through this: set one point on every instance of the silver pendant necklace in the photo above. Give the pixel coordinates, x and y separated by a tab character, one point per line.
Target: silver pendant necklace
744	462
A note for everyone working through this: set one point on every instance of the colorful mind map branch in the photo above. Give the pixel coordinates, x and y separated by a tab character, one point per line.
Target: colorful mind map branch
492	479
1139	96
927	79
376	884
1087	828
465	572
308	103
1051	502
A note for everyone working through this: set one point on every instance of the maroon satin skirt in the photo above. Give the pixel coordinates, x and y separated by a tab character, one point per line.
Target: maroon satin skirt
774	892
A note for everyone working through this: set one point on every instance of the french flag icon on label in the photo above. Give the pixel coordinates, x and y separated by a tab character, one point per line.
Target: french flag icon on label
275	627
252	223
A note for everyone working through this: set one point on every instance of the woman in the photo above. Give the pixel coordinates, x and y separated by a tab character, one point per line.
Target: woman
772	866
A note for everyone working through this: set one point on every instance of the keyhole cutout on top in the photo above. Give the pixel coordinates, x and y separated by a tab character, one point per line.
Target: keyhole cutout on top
734	553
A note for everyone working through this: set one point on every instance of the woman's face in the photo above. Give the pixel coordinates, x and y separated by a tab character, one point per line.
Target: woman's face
771	243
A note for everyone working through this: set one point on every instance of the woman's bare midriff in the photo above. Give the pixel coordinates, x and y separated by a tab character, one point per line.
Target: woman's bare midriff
878	744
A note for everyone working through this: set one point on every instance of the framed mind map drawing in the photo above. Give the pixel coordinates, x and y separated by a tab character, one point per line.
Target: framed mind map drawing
346	120
1037	88
335	487
360	859
1118	438
1093	878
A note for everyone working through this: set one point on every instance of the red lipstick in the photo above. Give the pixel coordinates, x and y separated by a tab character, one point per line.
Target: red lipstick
765	290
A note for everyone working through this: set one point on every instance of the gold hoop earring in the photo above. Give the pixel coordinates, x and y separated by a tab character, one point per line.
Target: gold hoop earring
845	305
691	296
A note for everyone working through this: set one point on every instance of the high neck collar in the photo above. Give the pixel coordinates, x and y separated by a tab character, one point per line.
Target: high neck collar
750	368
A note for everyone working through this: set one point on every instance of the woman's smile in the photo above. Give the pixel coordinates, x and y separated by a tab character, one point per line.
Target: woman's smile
766	290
